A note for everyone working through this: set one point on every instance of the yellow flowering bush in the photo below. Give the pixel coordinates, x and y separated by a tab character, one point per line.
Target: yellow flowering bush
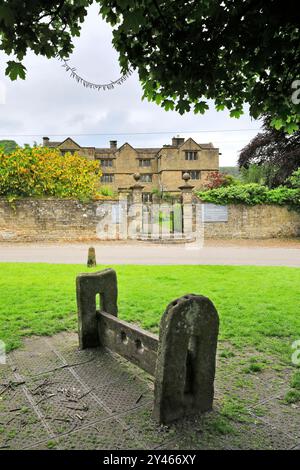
40	171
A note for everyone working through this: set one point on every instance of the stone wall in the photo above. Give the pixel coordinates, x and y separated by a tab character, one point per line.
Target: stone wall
48	219
261	221
54	219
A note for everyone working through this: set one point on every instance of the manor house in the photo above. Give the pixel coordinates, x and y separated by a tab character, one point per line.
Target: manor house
160	168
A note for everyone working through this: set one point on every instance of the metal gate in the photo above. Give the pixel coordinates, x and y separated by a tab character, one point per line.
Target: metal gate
162	220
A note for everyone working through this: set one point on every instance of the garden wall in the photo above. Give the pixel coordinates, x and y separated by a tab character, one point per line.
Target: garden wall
55	219
47	219
260	221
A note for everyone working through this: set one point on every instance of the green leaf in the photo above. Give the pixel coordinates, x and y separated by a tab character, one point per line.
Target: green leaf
7	15
220	107
15	70
168	105
292	127
277	123
133	21
183	106
236	113
201	107
158	98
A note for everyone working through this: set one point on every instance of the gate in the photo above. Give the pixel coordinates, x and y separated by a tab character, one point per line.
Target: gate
163	220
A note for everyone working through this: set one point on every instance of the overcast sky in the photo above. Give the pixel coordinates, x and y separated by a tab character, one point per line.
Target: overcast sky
50	103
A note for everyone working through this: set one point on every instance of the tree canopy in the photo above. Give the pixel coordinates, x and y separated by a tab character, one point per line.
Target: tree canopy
8	146
276	150
40	171
186	52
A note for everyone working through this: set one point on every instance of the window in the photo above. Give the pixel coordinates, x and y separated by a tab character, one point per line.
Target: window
146	178
191	155
145	162
194	174
107	178
146	197
106	163
63	152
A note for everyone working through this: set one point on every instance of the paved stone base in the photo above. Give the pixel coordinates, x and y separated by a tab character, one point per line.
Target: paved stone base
54	396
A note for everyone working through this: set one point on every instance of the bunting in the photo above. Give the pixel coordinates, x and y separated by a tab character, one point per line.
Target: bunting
94	86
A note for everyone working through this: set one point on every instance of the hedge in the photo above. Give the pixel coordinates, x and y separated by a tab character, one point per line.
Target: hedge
252	194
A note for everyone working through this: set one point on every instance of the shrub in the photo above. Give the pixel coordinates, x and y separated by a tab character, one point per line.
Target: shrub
243	194
294	179
34	172
260	174
107	192
283	195
218	180
8	146
252	194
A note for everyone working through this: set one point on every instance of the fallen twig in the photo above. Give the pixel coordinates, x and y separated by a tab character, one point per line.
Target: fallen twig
85	408
85	394
139	399
11	385
65	420
64	366
10	421
45	398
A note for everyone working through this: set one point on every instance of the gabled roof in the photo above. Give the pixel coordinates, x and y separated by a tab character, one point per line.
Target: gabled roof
204	146
126	143
53	144
69	139
105	150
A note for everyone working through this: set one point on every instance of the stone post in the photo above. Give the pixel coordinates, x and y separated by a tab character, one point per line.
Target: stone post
187	206
123	204
91	262
186	359
136	209
102	284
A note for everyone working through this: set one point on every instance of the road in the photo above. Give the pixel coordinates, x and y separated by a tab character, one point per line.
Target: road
108	253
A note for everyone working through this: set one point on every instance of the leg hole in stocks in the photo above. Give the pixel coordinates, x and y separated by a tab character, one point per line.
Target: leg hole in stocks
139	346
124	337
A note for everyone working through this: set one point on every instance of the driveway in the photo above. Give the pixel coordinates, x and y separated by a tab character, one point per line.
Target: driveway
259	253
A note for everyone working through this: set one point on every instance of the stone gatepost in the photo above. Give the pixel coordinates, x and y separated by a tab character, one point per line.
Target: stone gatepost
123	194
135	213
187	206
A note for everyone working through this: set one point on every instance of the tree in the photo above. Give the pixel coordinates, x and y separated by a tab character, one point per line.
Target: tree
216	179
40	171
275	150
8	146
185	51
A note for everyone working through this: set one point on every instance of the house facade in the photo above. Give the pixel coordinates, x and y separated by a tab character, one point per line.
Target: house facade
159	168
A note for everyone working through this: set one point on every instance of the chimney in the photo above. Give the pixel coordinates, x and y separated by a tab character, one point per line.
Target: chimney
113	144
46	141
176	141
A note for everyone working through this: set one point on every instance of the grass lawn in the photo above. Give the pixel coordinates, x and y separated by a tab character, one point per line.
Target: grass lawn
258	306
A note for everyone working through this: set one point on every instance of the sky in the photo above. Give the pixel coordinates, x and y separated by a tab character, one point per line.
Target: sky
50	103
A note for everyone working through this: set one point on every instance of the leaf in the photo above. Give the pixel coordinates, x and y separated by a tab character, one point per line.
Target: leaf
7	15
183	106
15	70
277	123
220	107
168	105
292	127
201	107
133	21
236	113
